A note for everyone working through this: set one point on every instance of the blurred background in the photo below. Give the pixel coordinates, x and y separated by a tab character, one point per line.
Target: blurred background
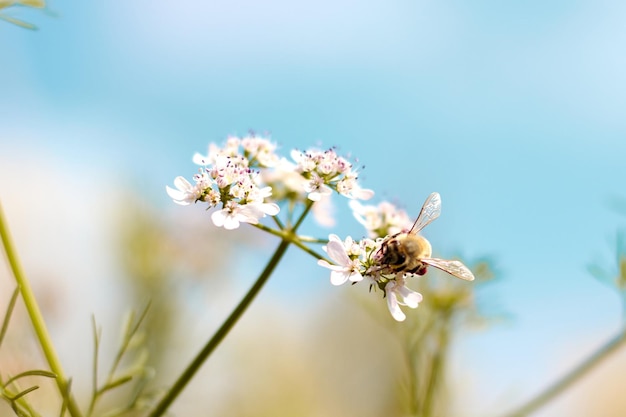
513	112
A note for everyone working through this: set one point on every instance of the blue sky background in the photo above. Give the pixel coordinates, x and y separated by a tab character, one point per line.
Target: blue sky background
513	112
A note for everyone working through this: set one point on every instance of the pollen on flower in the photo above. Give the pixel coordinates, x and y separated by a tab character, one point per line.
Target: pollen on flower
229	176
348	264
355	261
248	173
324	171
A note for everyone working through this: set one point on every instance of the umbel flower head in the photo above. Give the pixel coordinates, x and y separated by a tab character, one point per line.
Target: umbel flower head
386	261
239	178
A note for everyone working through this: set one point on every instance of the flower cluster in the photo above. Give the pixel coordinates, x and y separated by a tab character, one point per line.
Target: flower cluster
356	261
246	180
228	177
241	177
325	171
383	220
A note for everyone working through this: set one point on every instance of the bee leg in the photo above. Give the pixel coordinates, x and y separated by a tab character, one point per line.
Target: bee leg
419	270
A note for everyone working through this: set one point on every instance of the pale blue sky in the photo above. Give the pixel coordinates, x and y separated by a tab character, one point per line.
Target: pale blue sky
514	113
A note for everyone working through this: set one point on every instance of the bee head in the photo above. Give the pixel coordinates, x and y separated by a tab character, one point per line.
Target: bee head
391	251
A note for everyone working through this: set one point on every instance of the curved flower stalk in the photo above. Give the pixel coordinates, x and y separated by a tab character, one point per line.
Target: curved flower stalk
246	180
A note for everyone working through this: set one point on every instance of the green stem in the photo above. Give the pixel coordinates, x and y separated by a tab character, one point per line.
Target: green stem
574	375
36	317
436	366
288	237
194	366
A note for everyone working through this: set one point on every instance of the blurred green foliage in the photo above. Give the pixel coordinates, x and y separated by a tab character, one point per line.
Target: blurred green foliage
9	4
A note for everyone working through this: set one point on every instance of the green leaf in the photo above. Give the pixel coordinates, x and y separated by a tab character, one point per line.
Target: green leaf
7	316
116	383
18	22
34	372
22	393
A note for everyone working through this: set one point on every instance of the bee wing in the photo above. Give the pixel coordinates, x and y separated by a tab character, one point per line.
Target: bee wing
429	212
455	268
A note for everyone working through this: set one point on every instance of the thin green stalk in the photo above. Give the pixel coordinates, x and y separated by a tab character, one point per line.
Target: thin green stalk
288	235
94	370
436	366
9	312
415	347
574	375
36	317
194	366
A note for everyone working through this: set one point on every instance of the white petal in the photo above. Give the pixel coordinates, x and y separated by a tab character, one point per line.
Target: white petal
363	194
409	297
231	222
296	155
200	159
315	196
249	213
338	277
219	217
177	195
394	308
270	209
182	184
355	276
334	238
337	253
326	264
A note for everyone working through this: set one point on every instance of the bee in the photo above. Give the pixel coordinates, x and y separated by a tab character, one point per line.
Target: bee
411	253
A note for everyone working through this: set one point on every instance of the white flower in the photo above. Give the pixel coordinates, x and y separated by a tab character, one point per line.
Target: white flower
229	150
185	193
257	195
260	149
398	294
316	188
349	188
305	161
346	269
233	214
382	220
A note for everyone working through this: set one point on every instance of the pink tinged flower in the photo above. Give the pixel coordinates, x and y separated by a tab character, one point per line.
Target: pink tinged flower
316	188
258	195
384	219
351	189
185	193
231	216
398	294
327	163
261	149
305	162
346	269
202	179
342	165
